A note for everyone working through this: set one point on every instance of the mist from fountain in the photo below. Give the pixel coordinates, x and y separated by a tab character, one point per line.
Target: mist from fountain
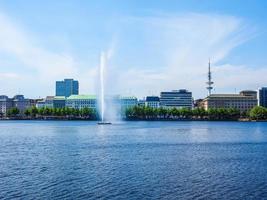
102	86
104	100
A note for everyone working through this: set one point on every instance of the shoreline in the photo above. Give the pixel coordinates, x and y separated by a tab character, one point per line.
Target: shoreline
126	120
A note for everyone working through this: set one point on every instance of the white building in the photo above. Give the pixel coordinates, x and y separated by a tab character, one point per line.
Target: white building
81	101
152	101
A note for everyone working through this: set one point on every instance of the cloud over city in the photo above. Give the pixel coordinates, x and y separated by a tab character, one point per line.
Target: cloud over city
151	54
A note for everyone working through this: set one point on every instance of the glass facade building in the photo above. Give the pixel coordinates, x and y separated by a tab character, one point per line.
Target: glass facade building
176	98
263	97
67	87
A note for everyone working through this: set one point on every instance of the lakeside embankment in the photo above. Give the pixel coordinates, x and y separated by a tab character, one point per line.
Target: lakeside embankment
140	113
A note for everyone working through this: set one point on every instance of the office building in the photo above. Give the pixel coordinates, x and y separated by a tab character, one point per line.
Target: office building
152	101
40	103
176	98
81	101
141	102
127	102
262	97
249	93
5	104
244	101
48	102
67	87
18	101
59	102
52	102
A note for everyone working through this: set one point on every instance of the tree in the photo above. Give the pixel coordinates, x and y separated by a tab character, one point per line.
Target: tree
12	112
27	112
258	113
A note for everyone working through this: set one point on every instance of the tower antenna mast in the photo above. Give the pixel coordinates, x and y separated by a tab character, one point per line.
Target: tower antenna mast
209	83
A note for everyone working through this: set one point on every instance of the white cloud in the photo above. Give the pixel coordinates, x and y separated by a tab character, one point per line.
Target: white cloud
175	50
185	43
45	64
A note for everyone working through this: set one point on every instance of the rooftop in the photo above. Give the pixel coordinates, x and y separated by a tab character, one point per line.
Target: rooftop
81	97
128	97
152	98
59	98
228	96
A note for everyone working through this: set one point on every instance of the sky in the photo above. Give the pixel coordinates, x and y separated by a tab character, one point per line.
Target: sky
152	45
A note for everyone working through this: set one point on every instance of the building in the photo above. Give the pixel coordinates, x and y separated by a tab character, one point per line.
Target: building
127	102
262	97
52	102
141	102
59	102
249	93
244	101
18	101
176	98
5	104
81	101
48	102
198	103
33	102
40	103
152	101
67	87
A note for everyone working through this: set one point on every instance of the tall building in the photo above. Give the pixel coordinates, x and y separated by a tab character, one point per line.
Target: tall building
263	97
176	98
244	101
67	87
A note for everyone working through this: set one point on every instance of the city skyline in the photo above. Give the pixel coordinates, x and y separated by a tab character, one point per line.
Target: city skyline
153	47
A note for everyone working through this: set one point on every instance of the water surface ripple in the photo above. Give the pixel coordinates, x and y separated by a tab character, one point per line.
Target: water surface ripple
133	160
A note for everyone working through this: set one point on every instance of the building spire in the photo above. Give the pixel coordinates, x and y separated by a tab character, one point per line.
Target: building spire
209	83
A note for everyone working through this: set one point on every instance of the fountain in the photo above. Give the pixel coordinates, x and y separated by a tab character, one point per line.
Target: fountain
102	90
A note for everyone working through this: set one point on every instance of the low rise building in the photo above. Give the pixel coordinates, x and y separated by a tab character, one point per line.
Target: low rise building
81	101
48	102
176	99
152	101
244	101
21	103
5	104
127	102
59	102
18	101
141	102
40	103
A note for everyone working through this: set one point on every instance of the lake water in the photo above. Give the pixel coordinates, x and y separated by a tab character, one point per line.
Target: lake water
133	160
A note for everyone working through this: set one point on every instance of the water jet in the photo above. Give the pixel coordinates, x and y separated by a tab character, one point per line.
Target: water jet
102	90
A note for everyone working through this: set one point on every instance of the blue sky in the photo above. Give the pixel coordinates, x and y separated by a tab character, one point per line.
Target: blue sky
153	45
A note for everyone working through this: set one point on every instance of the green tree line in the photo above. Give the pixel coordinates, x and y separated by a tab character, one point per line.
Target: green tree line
145	113
149	113
34	112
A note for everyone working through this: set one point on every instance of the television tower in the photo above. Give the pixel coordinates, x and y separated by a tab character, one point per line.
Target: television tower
209	83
